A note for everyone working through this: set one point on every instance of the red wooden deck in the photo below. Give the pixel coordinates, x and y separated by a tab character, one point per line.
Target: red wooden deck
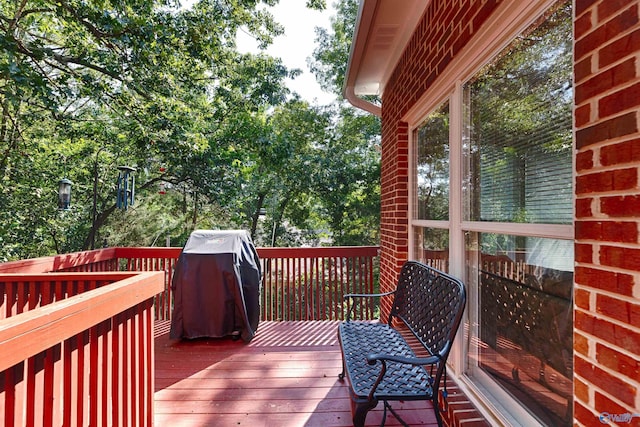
286	376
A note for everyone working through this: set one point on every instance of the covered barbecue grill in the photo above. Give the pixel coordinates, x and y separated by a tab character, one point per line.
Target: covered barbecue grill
216	286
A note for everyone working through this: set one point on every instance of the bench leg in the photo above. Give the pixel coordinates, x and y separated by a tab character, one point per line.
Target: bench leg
344	367
436	408
360	409
360	415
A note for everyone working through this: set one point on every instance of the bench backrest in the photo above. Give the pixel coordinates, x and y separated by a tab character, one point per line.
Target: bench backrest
431	304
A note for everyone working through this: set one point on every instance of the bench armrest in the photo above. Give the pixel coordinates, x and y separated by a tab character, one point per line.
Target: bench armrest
362	296
431	360
347	296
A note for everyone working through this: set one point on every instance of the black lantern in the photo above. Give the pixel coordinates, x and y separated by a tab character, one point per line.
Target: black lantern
126	187
64	194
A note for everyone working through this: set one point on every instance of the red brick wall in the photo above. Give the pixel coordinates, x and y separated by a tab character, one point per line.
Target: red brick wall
394	239
607	304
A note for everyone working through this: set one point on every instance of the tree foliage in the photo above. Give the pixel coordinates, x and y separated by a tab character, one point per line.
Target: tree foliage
331	55
349	182
214	134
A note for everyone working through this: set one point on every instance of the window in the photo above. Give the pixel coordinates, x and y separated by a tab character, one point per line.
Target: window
432	166
431	188
493	201
519	130
519	170
521	333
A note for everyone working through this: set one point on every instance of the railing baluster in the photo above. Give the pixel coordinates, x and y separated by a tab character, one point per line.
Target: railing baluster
293	289
21	298
265	278
67	380
338	286
299	288
319	292
325	291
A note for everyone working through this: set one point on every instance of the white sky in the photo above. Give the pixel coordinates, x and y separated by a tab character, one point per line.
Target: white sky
296	45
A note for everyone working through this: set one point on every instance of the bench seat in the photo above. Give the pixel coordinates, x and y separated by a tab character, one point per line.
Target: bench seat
401	381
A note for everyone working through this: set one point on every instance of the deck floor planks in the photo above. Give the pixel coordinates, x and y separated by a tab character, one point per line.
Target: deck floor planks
286	376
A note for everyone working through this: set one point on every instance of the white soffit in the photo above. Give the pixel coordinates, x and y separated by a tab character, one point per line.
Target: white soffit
382	31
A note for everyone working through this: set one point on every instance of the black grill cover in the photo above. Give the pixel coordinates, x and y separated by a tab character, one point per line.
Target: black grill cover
216	286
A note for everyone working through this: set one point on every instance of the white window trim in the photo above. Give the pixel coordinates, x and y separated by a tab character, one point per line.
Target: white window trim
511	18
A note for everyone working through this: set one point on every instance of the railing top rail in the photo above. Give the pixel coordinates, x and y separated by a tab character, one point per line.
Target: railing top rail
113	276
29	333
267	252
57	262
147	252
68	261
329	251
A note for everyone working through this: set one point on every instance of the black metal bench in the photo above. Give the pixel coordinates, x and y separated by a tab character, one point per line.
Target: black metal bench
378	361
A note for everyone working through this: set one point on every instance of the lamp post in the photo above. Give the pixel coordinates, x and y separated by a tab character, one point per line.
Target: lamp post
126	187
64	194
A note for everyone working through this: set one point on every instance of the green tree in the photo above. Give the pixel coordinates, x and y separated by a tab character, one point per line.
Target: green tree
88	86
331	55
348	184
274	170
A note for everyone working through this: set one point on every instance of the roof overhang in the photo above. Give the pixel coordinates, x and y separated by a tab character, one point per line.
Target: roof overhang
383	28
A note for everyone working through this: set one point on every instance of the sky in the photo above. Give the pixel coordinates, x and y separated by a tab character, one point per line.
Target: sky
296	45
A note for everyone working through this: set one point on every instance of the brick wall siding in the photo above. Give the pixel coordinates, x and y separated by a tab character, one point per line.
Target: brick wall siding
607	209
394	238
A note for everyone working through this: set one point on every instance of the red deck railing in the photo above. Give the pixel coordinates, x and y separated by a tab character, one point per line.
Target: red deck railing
76	330
309	283
298	283
77	349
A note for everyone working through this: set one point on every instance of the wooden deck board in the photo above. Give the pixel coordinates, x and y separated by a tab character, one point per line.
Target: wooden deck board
286	376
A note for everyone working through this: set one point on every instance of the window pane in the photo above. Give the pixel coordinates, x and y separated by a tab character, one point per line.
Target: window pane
431	246
432	166
522	337
518	142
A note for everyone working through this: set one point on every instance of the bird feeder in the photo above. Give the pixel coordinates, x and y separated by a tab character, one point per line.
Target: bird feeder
64	194
126	187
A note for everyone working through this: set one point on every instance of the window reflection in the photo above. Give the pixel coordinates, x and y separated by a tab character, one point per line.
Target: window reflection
431	247
432	166
523	332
